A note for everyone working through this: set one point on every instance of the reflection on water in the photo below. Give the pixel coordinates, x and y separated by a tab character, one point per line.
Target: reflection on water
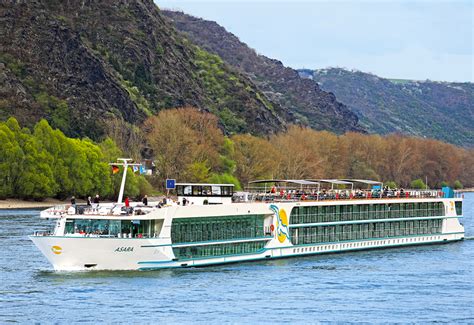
409	284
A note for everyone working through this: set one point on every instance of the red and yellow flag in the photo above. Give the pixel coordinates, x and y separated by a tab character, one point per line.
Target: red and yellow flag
115	169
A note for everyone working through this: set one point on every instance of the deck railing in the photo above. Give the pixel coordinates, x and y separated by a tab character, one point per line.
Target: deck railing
287	194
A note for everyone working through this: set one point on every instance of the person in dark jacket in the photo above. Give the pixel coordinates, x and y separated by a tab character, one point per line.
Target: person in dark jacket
73	203
145	200
96	202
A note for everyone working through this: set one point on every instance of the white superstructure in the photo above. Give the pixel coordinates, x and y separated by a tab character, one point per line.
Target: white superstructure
276	223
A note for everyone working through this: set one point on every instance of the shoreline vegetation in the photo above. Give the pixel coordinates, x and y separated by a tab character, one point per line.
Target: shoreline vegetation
189	145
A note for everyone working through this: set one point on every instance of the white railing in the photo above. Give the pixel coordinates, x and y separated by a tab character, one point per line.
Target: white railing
282	194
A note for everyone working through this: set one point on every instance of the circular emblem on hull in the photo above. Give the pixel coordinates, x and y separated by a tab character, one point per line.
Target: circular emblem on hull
56	249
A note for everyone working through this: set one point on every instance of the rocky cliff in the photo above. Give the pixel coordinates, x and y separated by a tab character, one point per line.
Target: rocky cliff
300	98
439	110
95	68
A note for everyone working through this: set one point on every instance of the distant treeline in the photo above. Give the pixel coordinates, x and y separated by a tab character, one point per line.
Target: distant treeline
40	163
188	145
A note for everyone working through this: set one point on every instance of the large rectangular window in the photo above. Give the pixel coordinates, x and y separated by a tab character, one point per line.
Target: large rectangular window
185	230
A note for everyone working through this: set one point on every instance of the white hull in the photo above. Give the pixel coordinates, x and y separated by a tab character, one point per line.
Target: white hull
106	254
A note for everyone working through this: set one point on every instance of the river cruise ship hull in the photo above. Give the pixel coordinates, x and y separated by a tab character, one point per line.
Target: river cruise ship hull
176	236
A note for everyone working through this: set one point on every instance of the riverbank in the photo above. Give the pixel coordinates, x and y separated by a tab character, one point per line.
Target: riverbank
465	190
22	204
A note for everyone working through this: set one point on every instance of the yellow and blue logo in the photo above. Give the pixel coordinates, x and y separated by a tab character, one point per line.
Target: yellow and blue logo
282	229
56	249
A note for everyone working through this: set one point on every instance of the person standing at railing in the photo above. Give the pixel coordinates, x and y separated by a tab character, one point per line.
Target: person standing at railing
73	203
96	202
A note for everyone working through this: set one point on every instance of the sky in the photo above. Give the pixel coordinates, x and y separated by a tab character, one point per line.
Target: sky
417	39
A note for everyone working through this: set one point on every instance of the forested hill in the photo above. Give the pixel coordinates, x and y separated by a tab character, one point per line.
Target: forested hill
301	98
98	68
439	110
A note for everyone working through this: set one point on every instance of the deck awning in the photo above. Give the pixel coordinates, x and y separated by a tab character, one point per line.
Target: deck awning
293	181
363	181
333	181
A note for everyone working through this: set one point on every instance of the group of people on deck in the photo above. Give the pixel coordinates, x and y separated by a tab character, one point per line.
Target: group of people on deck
333	194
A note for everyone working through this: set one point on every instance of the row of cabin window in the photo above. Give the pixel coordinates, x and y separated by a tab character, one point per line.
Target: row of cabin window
218	250
203	190
315	214
321	234
190	230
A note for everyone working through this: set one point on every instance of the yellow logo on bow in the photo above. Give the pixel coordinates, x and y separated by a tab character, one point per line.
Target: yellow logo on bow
57	249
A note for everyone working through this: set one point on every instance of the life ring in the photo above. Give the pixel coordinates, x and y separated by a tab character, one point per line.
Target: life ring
272	227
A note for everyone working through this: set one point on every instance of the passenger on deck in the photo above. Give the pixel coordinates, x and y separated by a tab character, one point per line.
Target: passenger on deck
96	202
127	202
89	201
145	200
73	203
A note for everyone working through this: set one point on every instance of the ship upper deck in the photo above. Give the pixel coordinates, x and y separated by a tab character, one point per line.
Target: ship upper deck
279	190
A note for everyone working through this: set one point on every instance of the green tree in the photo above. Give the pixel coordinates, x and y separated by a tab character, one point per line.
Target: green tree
225	179
391	184
458	185
36	180
11	156
418	184
197	172
144	186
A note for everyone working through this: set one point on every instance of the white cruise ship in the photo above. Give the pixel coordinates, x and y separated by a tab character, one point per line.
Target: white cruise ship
274	219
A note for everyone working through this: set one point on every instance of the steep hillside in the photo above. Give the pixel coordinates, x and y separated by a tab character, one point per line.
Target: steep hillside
439	110
299	97
99	67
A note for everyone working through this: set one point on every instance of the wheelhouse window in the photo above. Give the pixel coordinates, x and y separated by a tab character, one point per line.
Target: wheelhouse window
197	190
204	190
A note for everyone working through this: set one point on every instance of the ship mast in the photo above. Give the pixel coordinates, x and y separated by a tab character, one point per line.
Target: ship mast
125	163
